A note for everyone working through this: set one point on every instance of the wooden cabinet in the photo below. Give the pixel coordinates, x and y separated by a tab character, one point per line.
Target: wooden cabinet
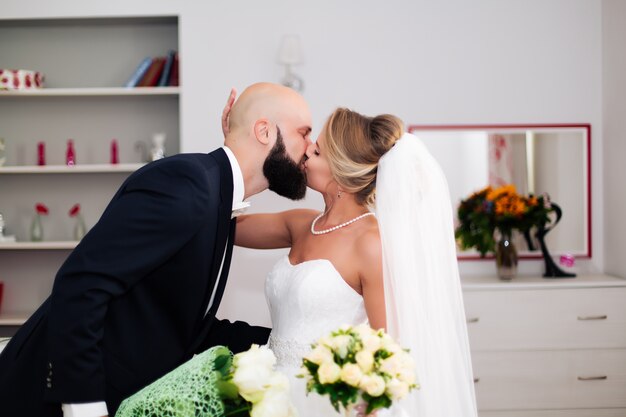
547	347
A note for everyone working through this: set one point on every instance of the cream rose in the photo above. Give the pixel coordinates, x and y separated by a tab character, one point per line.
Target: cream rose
328	373
391	365
372	343
365	360
320	355
397	389
374	385
275	403
351	374
253	371
340	345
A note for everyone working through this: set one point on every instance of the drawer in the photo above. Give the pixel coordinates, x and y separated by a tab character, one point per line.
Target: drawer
543	380
546	319
598	412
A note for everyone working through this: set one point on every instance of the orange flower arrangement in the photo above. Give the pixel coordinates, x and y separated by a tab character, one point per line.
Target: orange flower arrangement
499	208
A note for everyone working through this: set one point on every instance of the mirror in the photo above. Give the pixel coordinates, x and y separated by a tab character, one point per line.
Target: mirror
537	159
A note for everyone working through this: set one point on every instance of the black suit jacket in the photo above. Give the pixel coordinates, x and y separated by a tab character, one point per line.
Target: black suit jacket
129	303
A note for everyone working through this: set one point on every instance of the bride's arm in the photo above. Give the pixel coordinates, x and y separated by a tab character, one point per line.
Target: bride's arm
270	230
371	274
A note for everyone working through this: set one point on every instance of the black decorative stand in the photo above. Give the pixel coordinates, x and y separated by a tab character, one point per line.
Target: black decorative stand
552	269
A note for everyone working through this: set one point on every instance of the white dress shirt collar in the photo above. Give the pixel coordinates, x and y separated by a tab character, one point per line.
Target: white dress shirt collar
238	184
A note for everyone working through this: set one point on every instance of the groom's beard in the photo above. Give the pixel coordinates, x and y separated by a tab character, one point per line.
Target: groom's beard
284	176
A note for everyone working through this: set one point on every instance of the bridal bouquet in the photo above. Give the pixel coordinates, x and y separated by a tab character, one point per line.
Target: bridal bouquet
216	384
359	363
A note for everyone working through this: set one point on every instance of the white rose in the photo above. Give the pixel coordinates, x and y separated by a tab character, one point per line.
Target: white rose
328	373
406	360
363	330
278	381
397	389
340	345
407	375
391	365
389	344
255	356
372	343
374	385
275	403
365	359
321	354
253	370
351	374
326	341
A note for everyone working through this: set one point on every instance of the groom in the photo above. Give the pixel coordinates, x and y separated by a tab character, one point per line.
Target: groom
138	295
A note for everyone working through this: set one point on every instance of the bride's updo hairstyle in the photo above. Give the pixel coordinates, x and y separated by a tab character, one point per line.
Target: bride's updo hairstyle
354	145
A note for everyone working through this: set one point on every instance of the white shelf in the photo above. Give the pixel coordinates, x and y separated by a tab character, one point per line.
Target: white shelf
64	169
14	318
92	92
63	244
522	282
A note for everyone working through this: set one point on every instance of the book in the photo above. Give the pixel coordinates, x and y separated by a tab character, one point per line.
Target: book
151	78
165	75
173	82
139	73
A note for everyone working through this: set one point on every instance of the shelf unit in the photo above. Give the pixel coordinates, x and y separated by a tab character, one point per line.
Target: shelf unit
65	169
85	62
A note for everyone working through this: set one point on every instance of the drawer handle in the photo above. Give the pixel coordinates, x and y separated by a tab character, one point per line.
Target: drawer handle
592	378
604	317
473	320
476	380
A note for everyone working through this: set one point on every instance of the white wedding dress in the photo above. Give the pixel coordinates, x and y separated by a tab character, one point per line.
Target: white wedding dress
307	301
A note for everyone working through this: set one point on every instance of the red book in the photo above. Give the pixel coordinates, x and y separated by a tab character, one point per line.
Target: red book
173	82
151	79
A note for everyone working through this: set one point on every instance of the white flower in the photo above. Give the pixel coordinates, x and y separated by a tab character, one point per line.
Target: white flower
328	373
255	356
374	385
340	345
407	375
253	370
321	354
389	344
365	359
278	381
351	374
391	365
275	403
372	343
363	330
397	389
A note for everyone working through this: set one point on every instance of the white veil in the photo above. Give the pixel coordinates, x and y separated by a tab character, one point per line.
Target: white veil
422	287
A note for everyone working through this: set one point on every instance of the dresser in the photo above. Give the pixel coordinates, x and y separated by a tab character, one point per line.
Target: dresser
548	347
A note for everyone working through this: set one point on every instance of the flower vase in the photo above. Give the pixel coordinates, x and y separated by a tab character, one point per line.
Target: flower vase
36	229
79	228
506	257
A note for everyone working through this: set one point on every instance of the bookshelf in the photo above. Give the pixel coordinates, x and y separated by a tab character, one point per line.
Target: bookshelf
86	63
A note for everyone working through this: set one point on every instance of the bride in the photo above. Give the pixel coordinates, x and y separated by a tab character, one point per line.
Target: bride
394	267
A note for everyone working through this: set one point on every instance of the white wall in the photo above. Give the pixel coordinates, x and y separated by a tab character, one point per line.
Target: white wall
614	122
443	62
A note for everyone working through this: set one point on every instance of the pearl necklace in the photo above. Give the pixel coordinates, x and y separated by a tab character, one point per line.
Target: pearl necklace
339	226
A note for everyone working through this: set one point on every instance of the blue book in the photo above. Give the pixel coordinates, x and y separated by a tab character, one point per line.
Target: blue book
139	73
165	75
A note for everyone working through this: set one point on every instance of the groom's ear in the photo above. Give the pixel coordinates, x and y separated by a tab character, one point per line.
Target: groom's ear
262	131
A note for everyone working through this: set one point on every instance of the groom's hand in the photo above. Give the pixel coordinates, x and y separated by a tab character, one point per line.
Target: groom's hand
226	113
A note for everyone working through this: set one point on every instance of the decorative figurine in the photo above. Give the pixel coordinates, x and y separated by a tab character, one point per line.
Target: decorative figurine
158	146
3	237
552	269
70	154
115	159
41	153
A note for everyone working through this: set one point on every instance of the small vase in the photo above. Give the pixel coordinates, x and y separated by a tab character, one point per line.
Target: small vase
79	228
506	257
36	229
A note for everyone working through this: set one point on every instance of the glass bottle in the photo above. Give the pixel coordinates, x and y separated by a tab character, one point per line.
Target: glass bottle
70	154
